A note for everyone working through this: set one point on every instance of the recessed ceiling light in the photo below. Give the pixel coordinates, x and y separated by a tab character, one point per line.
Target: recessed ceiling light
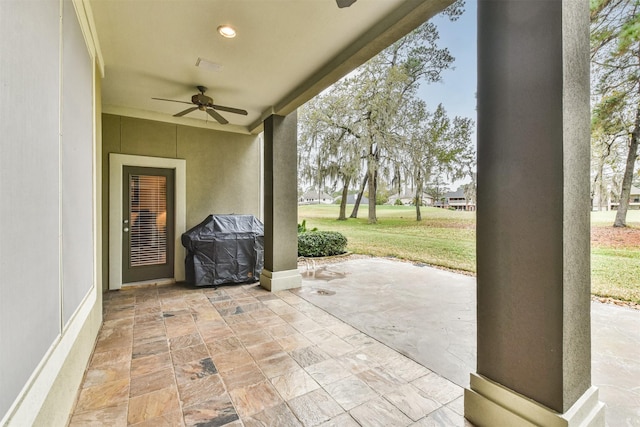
227	31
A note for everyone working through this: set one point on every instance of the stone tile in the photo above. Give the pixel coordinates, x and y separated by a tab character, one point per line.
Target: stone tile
356	362
213	331
255	398
119	323
148	332
342	330
309	356
328	371
153	405
194	370
437	388
238	318
115	357
189	354
106	374
212	413
243	376
146	365
379	413
457	405
294	383
265	350
278	365
151	348
109	339
115	416
335	346
306	326
103	395
319	335
263	314
405	368
151	382
180	325
231	359
350	392
315	407
280	331
200	390
380	380
412	402
183	341
360	340
172	419
206	315
283	310
294	342
344	420
224	345
255	338
443	417
242	328
276	416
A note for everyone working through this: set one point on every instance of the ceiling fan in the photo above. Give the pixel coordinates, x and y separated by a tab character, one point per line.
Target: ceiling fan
203	102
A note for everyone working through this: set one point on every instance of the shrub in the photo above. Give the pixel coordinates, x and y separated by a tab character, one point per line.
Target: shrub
302	228
321	243
398	202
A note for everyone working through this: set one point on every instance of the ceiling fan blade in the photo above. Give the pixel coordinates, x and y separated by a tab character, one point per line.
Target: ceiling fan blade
187	111
172	100
217	116
230	109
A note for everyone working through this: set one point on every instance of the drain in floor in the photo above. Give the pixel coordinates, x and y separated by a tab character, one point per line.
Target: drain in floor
322	292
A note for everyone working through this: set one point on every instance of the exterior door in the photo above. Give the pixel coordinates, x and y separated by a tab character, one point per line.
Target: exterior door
148	227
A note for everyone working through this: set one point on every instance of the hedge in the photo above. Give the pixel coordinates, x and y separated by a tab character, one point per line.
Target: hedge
321	243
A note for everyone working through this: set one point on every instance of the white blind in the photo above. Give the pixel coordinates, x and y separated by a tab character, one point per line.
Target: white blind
148	208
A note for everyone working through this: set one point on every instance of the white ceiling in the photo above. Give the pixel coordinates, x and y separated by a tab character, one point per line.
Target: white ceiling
286	51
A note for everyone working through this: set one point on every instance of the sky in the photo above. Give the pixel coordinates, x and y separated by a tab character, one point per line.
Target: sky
457	91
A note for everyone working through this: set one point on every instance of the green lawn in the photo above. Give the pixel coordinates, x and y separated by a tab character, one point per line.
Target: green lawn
447	239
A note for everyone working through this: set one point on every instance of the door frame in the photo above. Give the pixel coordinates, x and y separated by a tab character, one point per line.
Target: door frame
116	165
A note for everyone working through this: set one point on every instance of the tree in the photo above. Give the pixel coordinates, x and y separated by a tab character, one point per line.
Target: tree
327	148
615	58
437	143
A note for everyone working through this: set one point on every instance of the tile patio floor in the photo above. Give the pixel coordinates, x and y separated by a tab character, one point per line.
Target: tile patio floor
239	355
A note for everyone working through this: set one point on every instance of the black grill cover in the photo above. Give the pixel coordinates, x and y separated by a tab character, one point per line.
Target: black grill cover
224	249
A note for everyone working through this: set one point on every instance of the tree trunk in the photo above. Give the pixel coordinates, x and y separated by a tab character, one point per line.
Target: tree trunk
343	202
625	194
354	212
372	196
418	199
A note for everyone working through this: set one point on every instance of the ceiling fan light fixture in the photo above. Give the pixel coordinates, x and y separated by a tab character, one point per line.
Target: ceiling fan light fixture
227	31
345	3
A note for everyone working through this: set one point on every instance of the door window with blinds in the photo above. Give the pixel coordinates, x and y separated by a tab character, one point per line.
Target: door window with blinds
148	224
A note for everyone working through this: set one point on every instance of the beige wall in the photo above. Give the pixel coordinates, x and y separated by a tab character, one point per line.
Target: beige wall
223	169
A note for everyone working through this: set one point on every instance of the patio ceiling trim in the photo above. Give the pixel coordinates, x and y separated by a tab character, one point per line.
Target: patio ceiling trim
403	20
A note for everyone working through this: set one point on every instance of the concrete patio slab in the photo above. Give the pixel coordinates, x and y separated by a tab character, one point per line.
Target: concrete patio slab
429	315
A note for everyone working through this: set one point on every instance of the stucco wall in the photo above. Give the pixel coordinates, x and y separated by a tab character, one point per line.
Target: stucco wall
50	309
223	169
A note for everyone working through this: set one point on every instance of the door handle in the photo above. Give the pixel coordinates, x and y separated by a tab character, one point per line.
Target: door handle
126	229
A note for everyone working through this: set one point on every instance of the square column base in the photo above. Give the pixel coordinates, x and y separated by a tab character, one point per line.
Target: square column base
275	281
487	403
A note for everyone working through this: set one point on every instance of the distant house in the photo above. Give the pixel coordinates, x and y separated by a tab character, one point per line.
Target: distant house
313	197
351	199
407	198
457	200
634	199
